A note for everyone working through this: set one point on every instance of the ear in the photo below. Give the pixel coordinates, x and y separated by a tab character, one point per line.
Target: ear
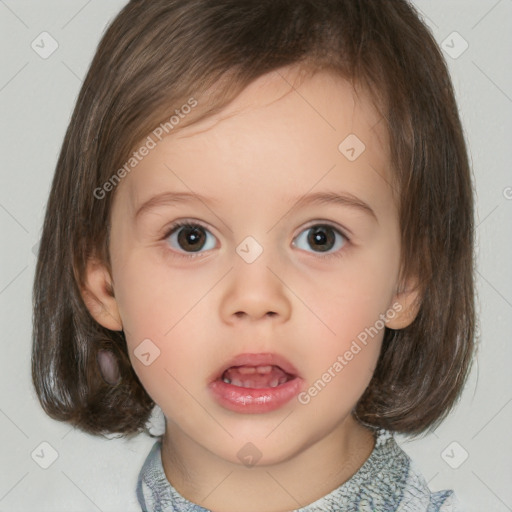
405	304
98	295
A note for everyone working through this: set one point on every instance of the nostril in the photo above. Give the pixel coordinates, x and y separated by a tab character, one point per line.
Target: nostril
240	314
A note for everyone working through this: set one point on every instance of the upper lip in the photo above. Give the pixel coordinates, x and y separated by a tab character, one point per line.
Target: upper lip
262	359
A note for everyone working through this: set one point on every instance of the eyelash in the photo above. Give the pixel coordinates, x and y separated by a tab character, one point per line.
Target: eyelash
189	224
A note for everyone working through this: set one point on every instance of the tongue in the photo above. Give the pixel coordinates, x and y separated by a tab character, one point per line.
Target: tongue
245	377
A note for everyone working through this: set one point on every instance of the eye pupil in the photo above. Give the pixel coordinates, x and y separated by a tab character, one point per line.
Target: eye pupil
193	237
321	236
189	238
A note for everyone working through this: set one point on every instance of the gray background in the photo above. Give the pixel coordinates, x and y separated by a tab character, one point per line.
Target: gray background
37	96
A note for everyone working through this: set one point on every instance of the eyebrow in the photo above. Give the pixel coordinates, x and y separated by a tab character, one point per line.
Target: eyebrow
341	199
171	198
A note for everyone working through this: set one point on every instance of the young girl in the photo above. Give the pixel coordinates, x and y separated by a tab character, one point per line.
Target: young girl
261	220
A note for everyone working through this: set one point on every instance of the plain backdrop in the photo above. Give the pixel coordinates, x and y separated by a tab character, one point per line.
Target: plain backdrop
470	452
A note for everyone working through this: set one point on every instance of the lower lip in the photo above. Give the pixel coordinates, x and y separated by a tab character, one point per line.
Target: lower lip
254	400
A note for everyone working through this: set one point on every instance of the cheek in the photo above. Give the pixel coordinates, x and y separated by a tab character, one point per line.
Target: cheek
153	298
347	341
353	297
160	308
350	307
336	389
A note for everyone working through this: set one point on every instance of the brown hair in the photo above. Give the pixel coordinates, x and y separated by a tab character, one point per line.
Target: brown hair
155	56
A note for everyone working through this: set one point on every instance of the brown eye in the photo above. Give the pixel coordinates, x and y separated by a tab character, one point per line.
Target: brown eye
189	238
321	238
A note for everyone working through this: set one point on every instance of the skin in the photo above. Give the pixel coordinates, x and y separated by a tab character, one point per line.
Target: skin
276	142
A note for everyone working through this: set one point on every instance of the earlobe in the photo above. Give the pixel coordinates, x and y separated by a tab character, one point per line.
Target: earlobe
405	306
99	298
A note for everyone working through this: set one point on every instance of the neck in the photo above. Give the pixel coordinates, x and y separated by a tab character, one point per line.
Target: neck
220	485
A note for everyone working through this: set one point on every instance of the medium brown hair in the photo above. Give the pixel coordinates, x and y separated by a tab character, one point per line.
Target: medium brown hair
157	54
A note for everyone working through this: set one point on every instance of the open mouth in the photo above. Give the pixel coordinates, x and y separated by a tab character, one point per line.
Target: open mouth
256	377
255	383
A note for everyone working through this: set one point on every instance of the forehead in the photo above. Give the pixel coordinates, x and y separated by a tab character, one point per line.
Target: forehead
326	103
286	130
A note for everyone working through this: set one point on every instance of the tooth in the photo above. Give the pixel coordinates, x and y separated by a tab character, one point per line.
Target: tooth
283	379
226	380
245	370
237	382
264	369
274	383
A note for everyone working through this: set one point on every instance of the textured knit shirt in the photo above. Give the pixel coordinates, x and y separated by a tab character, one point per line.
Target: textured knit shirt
387	482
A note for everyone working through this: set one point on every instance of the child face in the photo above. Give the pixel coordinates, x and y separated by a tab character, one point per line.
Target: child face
264	279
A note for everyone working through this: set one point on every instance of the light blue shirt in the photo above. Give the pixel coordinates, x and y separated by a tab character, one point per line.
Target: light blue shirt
387	482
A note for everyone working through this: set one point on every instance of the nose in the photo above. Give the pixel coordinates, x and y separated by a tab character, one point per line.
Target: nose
255	292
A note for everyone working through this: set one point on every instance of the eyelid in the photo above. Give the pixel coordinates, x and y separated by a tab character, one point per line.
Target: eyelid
170	228
177	224
319	222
